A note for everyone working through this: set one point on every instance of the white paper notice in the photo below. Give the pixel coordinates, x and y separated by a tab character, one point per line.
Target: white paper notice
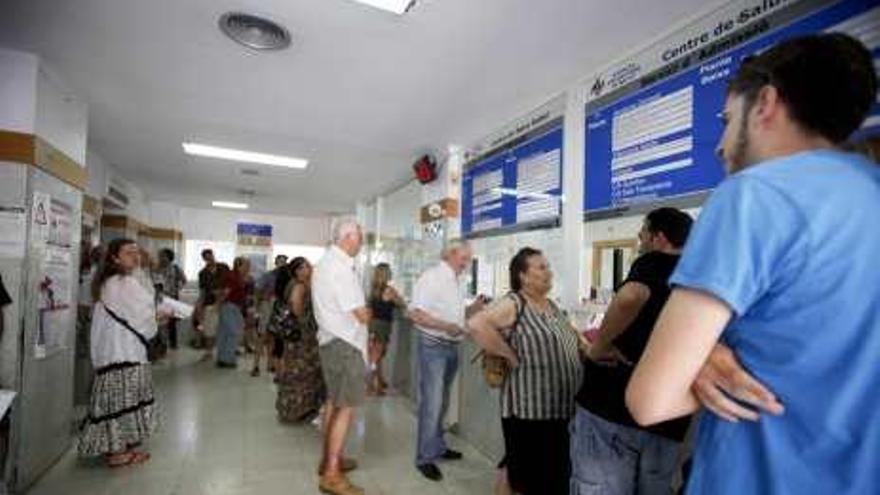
56	315
40	213
13	226
60	223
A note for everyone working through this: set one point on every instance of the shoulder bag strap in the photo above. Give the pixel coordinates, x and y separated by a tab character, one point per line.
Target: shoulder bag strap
122	321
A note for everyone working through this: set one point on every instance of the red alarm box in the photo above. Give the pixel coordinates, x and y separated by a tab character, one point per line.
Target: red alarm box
426	169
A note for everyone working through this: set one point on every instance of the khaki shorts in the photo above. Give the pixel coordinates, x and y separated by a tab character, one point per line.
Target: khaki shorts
265	312
344	373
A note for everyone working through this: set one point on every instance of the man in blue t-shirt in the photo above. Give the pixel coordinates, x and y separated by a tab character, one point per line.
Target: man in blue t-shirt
782	267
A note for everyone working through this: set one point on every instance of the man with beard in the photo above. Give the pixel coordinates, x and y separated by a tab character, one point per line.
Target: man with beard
782	267
609	450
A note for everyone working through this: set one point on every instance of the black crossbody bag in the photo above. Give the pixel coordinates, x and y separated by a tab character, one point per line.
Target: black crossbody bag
153	346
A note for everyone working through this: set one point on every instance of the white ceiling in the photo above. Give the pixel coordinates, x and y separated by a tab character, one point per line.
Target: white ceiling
360	93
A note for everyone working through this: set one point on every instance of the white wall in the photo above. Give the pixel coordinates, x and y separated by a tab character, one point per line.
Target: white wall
61	116
18	87
220	225
164	215
400	211
138	204
102	173
97	168
37	101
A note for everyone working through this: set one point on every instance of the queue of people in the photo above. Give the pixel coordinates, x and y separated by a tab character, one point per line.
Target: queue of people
730	314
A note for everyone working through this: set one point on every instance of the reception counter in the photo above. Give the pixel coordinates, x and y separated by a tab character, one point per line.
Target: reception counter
474	410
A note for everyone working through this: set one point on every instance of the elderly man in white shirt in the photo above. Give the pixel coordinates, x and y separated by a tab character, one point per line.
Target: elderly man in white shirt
342	315
438	311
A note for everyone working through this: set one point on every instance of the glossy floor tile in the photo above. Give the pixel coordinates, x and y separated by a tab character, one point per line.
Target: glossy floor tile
219	436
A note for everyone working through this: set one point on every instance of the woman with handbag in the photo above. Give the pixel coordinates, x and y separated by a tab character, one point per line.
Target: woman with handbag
122	407
542	351
300	383
280	308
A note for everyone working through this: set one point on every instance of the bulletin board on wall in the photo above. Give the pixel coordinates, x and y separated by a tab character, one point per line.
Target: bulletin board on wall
515	187
654	137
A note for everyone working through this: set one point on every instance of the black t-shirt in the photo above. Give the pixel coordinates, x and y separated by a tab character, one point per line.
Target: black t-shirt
283	276
5	300
604	387
382	310
208	280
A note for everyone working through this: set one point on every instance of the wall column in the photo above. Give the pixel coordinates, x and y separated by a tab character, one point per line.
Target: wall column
572	271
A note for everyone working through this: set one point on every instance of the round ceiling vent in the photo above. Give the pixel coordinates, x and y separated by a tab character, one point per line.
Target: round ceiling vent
254	32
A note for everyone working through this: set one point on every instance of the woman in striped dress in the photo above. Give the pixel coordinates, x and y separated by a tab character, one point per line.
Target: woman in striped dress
543	351
121	411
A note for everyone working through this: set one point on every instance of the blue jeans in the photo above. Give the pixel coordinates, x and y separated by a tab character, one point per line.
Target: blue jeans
438	363
230	325
612	459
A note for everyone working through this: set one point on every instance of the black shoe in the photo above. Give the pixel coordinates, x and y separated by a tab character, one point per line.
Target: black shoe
430	471
452	455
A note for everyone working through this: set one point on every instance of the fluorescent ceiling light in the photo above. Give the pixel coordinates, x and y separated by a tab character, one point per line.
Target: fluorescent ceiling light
229	204
244	156
506	191
399	7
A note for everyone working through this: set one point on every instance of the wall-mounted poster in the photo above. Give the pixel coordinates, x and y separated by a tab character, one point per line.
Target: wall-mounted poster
13	225
55	306
40	216
60	223
514	187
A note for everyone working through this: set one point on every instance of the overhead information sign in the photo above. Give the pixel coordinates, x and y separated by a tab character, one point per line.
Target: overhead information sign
659	140
519	185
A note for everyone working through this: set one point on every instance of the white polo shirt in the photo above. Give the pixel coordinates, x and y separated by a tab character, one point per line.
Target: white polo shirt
336	292
440	293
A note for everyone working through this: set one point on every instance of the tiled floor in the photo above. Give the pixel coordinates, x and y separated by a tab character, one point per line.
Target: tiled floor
219	436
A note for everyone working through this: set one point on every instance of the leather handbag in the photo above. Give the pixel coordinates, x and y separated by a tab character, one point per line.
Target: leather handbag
495	368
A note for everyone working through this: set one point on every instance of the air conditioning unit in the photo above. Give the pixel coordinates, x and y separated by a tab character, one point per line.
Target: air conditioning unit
116	197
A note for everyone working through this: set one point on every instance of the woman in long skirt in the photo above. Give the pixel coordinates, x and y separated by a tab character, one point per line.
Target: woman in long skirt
300	383
122	406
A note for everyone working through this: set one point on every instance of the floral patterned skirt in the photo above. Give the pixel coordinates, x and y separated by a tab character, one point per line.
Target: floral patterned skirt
301	385
121	411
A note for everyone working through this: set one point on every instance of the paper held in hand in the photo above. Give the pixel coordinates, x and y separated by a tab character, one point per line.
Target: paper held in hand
174	308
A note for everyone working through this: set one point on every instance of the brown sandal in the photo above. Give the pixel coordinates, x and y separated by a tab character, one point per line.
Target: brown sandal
119	460
139	457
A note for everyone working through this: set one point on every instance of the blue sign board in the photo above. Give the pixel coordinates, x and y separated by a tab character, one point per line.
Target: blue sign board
254	229
516	186
660	141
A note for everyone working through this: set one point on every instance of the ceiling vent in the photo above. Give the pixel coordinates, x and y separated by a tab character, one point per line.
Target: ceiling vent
247	193
254	32
250	172
116	198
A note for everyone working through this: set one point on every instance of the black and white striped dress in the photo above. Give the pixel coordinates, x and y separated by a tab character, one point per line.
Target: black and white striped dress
549	374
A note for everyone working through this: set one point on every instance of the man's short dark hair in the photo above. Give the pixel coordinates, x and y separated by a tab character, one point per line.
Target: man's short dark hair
206	253
672	223
167	253
827	82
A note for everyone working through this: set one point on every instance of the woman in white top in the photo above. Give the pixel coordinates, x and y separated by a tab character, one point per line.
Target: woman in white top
121	411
